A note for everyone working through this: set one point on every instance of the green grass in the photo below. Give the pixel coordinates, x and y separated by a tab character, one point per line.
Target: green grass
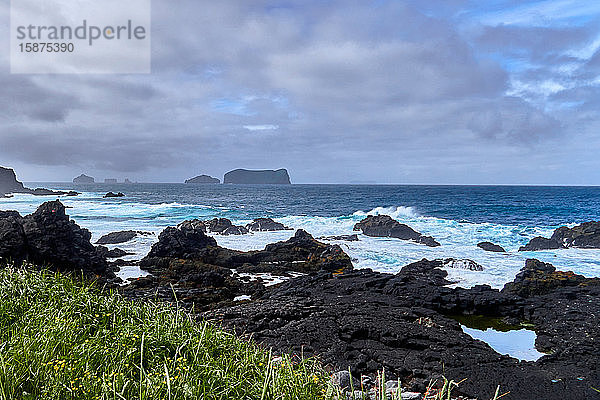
61	339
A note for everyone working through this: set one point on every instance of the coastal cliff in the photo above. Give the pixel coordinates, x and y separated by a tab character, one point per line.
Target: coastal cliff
9	182
244	176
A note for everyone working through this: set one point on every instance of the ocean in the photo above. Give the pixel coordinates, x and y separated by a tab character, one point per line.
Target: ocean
458	217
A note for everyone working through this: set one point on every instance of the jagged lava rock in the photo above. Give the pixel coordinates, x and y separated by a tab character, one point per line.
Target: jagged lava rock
244	176
49	237
386	226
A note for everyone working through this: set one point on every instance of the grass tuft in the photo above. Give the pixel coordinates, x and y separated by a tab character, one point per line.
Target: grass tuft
61	339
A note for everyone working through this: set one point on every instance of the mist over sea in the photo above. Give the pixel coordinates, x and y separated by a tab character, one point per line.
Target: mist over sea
458	217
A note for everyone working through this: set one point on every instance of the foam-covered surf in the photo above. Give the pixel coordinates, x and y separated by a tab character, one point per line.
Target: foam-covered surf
331	211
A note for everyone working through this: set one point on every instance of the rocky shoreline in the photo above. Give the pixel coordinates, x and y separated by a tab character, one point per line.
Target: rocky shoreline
364	320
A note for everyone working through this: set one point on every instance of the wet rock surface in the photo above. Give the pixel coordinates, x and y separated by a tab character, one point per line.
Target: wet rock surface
586	236
49	238
346	238
266	224
386	226
120	237
367	321
458	263
489	246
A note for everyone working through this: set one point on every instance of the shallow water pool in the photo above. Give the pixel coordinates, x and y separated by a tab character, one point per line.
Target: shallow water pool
519	343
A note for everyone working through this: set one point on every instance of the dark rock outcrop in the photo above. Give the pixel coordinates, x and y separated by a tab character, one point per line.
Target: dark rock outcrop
189	263
586	235
223	226
105	252
111	194
462	264
120	237
244	176
541	243
386	226
83	179
346	238
539	278
367	321
184	241
203	179
266	224
489	246
49	237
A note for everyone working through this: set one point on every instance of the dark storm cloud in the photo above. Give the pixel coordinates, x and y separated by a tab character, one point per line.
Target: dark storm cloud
382	90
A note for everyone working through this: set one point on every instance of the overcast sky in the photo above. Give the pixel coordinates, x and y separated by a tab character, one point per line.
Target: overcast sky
436	91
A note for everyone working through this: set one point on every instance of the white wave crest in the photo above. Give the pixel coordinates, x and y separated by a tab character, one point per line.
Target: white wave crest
394	212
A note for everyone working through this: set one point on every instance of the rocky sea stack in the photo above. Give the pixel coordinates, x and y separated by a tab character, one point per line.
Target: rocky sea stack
265	177
83	179
203	179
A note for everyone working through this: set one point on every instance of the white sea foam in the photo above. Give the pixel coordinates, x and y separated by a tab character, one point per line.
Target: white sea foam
458	239
394	212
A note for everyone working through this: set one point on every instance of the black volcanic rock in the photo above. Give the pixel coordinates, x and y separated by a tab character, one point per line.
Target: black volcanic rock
111	194
458	263
386	226
244	176
586	235
541	243
203	179
83	179
105	252
489	246
49	237
223	226
539	278
183	241
346	238
367	321
119	237
266	224
301	253
13	243
187	262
